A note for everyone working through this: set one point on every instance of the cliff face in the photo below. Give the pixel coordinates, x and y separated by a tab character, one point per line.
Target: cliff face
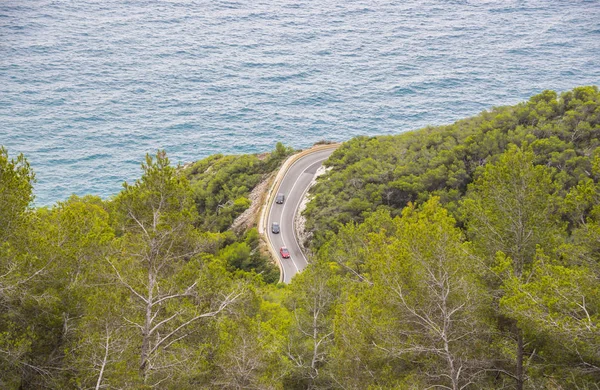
250	216
223	185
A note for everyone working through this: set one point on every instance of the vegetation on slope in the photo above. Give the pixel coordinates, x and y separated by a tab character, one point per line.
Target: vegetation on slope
370	173
222	184
467	254
458	257
129	292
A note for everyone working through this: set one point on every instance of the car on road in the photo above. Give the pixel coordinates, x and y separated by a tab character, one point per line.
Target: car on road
279	198
275	227
284	252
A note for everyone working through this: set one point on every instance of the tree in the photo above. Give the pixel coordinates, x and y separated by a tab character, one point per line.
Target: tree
171	285
16	192
426	306
312	301
352	246
16	186
387	172
59	257
511	209
101	349
560	304
411	312
249	353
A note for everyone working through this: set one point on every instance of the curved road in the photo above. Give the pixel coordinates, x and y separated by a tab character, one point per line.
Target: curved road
294	186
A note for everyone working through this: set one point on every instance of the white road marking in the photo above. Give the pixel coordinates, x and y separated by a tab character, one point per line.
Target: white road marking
296	210
298	206
270	218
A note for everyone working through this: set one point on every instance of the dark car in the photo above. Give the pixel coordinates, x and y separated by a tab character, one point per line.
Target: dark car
275	227
284	252
279	198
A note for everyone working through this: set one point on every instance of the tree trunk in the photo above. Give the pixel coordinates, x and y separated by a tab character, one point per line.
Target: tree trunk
104	361
520	353
146	329
145	343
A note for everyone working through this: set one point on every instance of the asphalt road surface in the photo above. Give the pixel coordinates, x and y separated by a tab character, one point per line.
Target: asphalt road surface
294	186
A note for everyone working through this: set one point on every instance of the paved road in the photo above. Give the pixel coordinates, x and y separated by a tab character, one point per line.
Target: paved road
293	186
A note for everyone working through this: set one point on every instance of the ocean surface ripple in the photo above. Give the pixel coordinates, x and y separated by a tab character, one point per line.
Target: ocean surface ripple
88	87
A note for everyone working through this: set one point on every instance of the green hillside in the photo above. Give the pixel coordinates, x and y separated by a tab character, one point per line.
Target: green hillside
462	256
387	172
455	257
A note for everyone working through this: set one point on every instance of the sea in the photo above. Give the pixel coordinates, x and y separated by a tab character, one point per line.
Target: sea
88	87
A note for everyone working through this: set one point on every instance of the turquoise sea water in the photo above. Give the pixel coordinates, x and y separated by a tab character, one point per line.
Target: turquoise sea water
88	87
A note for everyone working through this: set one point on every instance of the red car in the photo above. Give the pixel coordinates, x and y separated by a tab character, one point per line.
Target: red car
284	252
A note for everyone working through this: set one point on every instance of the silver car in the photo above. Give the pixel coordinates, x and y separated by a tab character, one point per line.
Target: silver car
275	228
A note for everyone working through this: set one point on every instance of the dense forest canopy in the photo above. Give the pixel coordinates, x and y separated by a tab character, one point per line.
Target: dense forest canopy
387	172
455	257
468	254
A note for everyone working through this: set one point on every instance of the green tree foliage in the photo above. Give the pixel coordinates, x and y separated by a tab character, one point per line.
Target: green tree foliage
248	353
523	182
221	187
127	293
16	192
172	286
222	184
511	210
560	306
57	262
582	206
418	314
312	302
152	290
16	180
245	255
387	172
